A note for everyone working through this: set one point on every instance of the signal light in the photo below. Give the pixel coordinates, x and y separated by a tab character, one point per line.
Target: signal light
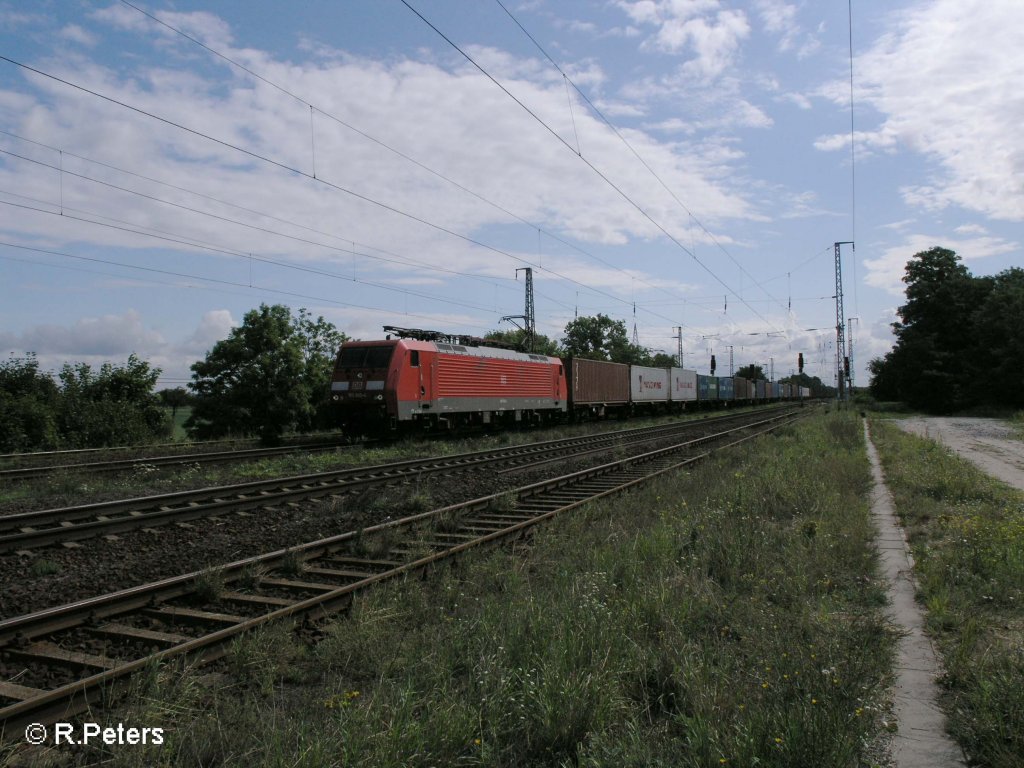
800	362
712	365
846	367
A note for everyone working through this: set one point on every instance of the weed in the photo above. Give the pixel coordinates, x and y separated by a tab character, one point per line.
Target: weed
505	502
419	501
44	567
209	585
292	564
448	520
251	577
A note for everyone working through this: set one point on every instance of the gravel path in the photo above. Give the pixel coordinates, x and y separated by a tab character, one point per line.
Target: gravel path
988	443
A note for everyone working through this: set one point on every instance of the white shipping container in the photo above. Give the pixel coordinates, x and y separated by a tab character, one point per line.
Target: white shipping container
648	385
684	384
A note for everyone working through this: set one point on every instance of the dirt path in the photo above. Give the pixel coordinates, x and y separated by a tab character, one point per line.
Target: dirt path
988	443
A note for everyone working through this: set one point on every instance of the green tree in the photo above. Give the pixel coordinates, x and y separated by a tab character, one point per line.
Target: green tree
269	376
516	338
999	339
29	403
599	337
175	398
113	406
751	372
933	363
320	342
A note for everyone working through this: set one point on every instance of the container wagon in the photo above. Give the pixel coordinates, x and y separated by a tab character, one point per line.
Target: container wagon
649	388
726	388
743	389
683	388
597	388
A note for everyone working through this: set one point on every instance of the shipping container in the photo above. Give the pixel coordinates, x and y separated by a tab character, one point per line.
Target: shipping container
596	385
776	391
684	385
726	388
759	389
742	388
707	388
648	385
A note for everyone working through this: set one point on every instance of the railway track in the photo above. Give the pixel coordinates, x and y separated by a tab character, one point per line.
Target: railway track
41	528
173	460
58	662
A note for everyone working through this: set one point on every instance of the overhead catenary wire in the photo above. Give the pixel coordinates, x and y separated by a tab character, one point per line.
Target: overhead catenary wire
214	280
331	185
397	258
132	229
589	164
209	214
408	158
635	153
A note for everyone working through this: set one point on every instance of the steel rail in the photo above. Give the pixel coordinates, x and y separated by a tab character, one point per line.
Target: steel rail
172	460
536	503
27	530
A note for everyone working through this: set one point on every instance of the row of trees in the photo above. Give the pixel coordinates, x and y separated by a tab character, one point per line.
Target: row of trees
959	340
81	407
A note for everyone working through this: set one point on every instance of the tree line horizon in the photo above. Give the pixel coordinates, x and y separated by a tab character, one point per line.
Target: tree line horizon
271	374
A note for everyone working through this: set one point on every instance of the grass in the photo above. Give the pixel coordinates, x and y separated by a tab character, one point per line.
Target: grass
59	486
726	616
967	533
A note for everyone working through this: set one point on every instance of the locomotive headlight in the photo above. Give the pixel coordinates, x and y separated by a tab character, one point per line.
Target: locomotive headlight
359	375
380	397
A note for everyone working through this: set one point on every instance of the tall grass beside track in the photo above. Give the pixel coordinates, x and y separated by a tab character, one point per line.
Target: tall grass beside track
726	616
967	534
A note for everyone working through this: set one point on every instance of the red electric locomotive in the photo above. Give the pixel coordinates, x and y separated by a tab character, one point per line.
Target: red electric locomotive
428	380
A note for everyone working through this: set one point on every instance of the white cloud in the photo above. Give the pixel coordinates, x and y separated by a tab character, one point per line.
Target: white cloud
779	18
77	34
465	126
701	29
886	272
107	337
946	82
799	99
214	326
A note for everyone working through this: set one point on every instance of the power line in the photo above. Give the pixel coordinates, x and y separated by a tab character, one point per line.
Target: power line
217	281
389	148
590	165
131	229
293	170
398	260
636	154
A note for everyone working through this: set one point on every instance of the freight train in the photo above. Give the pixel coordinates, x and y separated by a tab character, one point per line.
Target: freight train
427	381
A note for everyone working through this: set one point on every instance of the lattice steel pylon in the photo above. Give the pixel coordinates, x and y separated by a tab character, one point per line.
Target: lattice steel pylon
841	358
528	317
849	347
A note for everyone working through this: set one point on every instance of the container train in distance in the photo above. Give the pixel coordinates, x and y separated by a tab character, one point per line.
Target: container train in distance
436	384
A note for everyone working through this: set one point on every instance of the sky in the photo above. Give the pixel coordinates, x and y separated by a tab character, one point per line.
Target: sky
165	167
